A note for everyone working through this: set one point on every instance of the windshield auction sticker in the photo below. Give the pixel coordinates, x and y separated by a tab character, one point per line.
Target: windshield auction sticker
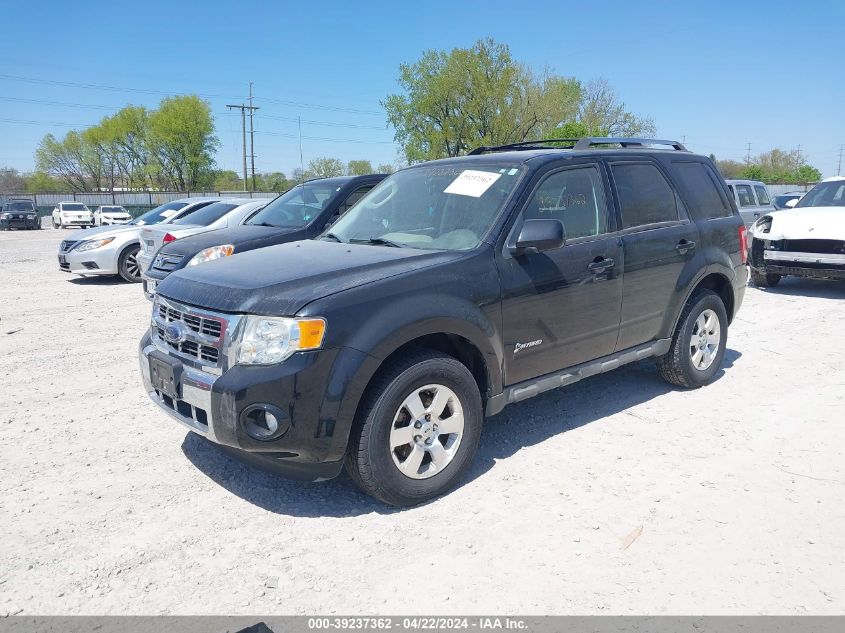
472	183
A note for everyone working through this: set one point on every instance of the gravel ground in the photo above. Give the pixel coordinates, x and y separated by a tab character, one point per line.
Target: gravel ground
616	495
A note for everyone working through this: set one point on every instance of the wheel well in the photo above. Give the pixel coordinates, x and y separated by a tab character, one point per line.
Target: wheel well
452	345
722	287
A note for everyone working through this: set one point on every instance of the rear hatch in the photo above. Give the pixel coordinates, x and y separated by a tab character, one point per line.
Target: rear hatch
153	238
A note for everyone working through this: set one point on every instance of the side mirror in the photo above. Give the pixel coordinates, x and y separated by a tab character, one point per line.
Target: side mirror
539	235
791	203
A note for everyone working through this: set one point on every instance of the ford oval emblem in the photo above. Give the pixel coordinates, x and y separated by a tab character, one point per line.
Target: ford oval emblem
174	333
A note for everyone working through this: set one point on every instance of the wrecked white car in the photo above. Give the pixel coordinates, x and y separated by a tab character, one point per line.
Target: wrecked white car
807	240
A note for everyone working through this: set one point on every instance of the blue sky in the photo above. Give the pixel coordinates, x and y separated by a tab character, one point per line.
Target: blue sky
721	74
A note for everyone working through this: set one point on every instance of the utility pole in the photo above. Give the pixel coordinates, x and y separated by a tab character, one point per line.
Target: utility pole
301	163
839	167
251	136
748	154
243	108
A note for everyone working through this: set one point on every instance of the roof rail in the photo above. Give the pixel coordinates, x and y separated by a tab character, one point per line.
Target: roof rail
577	143
586	143
523	145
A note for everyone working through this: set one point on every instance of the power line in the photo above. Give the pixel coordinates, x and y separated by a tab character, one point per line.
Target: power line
326	123
28	122
315	106
325	138
74	84
64	104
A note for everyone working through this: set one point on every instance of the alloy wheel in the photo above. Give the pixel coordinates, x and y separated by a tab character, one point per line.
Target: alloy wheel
705	339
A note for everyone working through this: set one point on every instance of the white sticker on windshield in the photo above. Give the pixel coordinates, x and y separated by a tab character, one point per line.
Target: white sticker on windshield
472	183
168	213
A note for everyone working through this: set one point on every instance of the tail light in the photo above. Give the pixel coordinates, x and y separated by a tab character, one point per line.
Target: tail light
743	244
170	238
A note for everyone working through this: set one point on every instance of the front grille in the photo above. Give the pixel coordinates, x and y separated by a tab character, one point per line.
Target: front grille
66	245
204	337
167	263
827	247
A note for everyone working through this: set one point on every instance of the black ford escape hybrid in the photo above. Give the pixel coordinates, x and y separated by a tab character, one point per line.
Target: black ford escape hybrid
452	289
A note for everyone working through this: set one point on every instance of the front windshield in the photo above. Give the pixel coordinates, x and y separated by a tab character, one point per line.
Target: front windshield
74	207
824	194
298	206
207	215
444	207
112	210
159	214
20	206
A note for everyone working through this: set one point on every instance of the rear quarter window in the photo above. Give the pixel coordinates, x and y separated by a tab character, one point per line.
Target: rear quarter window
705	198
762	195
745	196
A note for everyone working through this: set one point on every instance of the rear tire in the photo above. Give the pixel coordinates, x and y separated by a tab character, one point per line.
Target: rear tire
698	344
127	264
417	429
763	279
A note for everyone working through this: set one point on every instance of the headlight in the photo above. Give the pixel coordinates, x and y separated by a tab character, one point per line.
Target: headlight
212	253
4	216
269	340
90	245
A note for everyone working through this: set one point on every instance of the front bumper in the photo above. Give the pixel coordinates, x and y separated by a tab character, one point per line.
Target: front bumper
212	405
19	223
800	264
99	261
143	260
110	222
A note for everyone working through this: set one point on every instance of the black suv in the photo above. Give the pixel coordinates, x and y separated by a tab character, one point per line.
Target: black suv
452	289
300	213
19	214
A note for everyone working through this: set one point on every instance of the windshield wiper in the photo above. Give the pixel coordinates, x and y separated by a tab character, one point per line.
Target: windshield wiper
275	226
331	236
376	241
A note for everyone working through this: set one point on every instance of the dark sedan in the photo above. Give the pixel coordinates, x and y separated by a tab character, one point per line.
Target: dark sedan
302	212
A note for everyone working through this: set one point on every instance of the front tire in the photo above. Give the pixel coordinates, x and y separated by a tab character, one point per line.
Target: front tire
698	345
417	429
127	265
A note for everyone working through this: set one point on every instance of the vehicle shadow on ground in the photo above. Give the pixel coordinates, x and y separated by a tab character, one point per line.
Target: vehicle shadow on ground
519	426
98	280
815	288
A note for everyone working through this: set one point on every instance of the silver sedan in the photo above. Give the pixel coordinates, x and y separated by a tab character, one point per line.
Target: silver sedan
113	250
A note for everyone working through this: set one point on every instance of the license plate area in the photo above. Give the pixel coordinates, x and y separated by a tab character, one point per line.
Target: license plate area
62	259
150	286
166	375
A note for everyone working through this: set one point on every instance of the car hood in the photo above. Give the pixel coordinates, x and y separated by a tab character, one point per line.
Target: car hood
281	280
243	237
102	231
807	223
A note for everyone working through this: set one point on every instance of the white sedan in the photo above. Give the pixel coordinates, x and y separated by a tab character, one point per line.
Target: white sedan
807	240
111	214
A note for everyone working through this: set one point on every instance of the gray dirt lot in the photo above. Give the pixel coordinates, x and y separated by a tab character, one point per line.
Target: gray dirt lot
616	495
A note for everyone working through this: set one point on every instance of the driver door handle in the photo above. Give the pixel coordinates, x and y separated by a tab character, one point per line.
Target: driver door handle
684	247
600	266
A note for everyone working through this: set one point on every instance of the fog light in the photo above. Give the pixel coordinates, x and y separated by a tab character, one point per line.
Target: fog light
264	422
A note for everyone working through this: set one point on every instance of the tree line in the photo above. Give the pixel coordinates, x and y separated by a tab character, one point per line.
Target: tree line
774	167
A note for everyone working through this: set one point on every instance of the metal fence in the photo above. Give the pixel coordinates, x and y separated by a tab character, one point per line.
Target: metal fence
136	202
776	190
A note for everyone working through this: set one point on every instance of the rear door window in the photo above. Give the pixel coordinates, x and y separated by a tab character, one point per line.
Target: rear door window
762	194
645	196
207	215
705	198
745	195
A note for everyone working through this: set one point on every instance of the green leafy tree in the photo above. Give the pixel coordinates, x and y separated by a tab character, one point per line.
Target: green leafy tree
227	180
274	181
730	168
359	167
181	141
752	172
40	182
808	174
602	113
325	168
385	168
455	101
70	160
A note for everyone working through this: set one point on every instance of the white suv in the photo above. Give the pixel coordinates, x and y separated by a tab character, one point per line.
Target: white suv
72	214
111	214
